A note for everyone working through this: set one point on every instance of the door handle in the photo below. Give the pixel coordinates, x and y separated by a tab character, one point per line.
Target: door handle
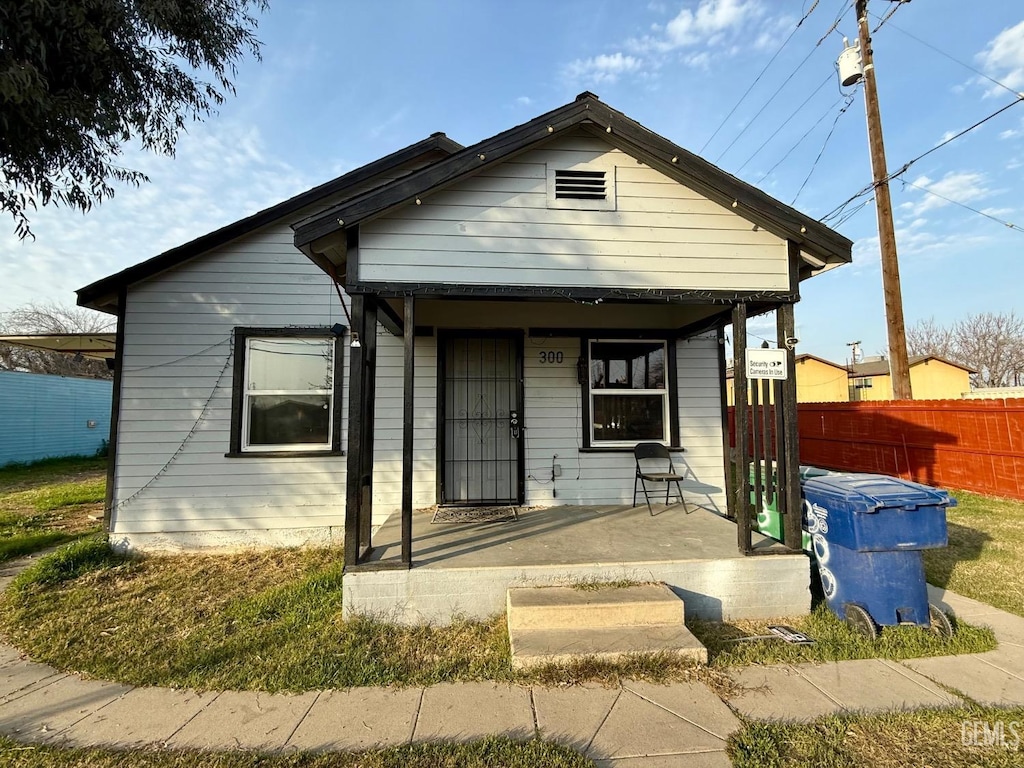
513	424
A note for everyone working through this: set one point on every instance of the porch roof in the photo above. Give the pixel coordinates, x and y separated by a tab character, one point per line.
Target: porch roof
820	247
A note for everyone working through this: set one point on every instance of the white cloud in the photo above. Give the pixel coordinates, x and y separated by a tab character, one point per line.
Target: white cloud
222	172
1010	133
1003	58
604	68
962	186
388	123
524	101
712	23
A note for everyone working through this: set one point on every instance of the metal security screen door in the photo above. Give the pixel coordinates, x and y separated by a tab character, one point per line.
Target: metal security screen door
481	418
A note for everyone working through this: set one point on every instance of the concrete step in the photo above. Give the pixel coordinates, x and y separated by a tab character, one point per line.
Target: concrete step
534	647
570	608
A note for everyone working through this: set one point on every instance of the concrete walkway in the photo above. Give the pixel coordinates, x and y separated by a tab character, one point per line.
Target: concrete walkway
637	725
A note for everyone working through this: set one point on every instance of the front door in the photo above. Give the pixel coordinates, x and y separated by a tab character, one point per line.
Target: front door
480	440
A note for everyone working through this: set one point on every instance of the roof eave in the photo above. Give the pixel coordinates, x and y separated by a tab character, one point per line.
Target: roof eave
103	294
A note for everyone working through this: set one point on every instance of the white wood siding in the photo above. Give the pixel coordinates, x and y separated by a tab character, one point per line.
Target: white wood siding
495	228
554	426
173	482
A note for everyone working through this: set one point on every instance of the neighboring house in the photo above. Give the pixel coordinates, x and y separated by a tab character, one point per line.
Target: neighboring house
46	416
994	393
817	381
931	378
517	316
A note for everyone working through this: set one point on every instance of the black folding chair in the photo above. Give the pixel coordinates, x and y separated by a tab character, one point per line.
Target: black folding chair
656	457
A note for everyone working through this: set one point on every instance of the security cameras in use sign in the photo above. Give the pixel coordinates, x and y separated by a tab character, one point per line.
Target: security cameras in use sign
766	364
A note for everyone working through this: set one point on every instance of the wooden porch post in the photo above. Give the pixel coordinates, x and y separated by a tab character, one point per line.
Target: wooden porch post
408	428
793	522
739	379
353	491
368	341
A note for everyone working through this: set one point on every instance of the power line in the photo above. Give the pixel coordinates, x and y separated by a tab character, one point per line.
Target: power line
906	166
784	84
799	141
996	219
953	58
955	136
821	152
775	133
758	78
896	6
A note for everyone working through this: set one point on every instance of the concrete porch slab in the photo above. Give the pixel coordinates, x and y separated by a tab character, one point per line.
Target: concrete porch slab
466	569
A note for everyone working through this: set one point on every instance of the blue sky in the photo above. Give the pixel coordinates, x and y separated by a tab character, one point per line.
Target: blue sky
341	84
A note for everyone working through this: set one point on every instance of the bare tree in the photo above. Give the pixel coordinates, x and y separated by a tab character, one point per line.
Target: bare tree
54	318
991	343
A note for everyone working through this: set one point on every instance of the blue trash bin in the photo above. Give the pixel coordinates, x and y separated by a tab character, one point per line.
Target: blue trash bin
867	534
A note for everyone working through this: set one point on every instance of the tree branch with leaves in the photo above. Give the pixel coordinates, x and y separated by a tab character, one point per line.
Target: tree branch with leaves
81	78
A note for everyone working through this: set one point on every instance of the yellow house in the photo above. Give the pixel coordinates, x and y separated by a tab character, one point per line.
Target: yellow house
817	381
931	378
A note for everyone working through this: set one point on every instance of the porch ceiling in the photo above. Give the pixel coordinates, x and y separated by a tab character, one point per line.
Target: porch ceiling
567	535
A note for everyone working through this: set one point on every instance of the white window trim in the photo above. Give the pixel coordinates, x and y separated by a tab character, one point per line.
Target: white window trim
248	394
608	204
666	417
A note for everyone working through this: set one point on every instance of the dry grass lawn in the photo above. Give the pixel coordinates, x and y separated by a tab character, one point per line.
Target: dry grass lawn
985	552
932	738
49	503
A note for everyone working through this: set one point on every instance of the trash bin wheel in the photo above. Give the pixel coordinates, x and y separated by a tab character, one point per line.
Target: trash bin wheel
939	621
860	621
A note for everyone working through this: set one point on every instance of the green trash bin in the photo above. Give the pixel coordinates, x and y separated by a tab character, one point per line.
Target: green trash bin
769	520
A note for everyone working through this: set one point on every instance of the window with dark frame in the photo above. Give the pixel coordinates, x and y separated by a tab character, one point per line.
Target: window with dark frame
628	392
285	391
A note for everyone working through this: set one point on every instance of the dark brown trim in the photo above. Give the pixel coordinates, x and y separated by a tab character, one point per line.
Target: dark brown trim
368	339
280	454
353	479
378	565
115	410
671	381
408	428
95	294
610	333
793	521
351	255
793	255
624	449
742	466
730	490
241	334
389	318
573	293
697	327
617	129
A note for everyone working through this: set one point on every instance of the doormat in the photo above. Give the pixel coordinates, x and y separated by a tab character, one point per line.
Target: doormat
475	515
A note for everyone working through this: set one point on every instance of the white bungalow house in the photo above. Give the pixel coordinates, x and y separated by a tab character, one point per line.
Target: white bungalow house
495	325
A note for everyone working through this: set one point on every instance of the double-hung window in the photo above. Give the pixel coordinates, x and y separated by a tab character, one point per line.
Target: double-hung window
285	391
629	395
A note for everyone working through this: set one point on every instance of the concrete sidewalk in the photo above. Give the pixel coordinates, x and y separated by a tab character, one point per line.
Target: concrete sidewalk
637	725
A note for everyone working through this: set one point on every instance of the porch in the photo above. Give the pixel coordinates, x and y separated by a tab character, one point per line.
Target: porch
465	569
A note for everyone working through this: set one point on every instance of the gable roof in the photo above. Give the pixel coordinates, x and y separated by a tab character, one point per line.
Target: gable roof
103	294
805	356
824	246
881	367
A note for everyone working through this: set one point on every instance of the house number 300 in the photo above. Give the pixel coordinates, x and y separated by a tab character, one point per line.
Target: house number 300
551	357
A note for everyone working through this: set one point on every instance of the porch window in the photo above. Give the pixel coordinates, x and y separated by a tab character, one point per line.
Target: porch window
285	391
629	392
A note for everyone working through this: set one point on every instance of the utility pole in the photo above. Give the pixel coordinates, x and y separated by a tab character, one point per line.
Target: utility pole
899	365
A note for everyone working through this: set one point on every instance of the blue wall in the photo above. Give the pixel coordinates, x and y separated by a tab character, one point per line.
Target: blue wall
43	416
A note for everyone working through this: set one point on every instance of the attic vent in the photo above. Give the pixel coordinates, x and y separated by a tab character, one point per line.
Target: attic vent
580	185
589	187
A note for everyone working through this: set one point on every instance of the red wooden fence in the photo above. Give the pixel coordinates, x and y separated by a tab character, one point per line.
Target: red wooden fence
976	445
